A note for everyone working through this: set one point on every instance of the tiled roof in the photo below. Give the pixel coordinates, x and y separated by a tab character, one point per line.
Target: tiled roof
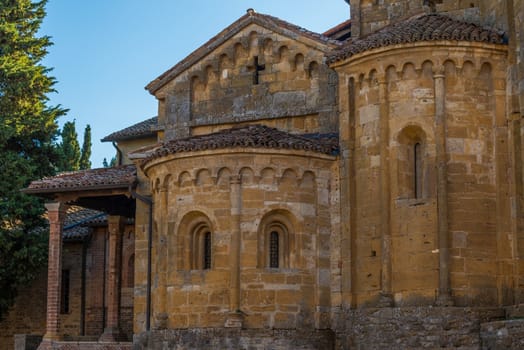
297	29
79	220
250	136
428	27
273	23
76	224
340	32
145	128
102	178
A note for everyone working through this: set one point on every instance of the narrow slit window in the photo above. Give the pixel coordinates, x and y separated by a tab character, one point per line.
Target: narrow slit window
274	253
131	272
417	170
64	297
207	251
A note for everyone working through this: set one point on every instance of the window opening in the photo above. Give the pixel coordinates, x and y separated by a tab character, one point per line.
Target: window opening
207	251
256	68
417	170
64	298
131	272
274	250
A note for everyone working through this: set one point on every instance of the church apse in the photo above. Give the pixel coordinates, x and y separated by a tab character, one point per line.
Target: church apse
283	225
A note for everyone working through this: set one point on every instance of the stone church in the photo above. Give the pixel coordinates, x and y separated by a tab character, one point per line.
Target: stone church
356	189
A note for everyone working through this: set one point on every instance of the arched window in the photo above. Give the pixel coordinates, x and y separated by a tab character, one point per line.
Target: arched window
202	253
275	241
194	243
417	170
411	163
207	251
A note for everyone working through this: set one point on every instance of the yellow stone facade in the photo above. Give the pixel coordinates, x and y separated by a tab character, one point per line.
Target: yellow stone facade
420	207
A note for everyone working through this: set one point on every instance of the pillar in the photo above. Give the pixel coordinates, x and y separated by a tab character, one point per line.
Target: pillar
159	308
234	319
444	291
386	295
112	330
56	212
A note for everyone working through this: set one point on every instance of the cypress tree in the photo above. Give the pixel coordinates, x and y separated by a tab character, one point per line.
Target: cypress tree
85	162
69	148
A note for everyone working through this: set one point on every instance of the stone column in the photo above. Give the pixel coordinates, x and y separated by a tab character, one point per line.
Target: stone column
234	319
444	292
386	297
112	331
56	212
159	309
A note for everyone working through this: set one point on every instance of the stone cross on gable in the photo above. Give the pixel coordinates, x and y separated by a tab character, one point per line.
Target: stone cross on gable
256	68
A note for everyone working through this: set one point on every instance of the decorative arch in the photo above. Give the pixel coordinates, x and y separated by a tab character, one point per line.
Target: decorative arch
223	176
268	47
313	70
298	62
276	240
240	52
409	71
194	245
253	43
283	53
184	179
248	176
203	178
289	177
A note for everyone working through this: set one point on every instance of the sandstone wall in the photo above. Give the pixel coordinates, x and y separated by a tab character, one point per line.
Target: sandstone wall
226	87
127	146
288	189
368	16
388	102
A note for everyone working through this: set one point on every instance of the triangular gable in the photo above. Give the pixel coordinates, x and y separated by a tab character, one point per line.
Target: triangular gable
276	25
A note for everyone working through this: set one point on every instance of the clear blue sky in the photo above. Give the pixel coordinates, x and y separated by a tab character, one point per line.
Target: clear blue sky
106	51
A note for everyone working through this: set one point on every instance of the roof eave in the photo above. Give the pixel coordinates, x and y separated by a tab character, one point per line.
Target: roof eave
131	137
44	191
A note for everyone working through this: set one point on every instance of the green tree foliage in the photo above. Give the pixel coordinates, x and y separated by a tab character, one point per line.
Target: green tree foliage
27	152
69	148
112	163
85	162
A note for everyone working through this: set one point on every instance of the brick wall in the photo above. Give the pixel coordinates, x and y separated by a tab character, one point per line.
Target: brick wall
28	315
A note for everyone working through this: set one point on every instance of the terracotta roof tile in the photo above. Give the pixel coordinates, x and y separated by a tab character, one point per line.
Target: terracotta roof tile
250	136
340	32
297	29
80	220
76	224
102	178
145	128
428	27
